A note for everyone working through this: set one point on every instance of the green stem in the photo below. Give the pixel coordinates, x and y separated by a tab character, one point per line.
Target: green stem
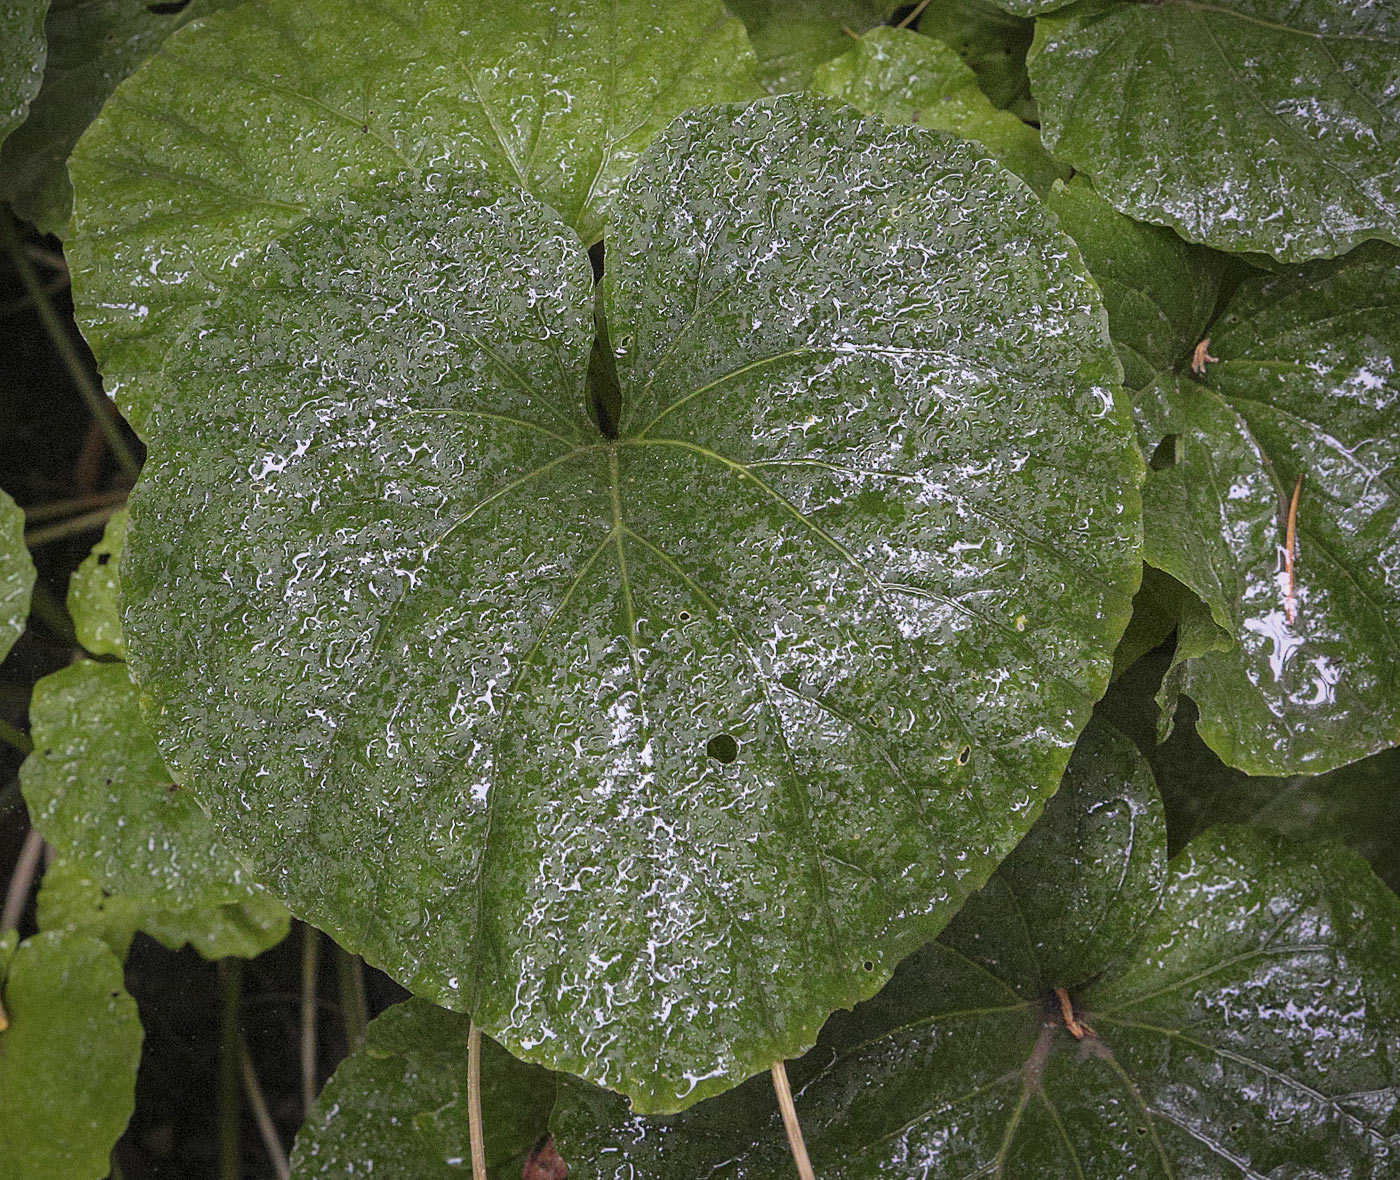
13	736
230	1070
354	1010
98	404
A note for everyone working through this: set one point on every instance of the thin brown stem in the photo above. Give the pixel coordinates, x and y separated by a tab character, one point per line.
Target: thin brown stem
914	14
55	508
257	1103
230	1090
15	737
790	1124
474	1128
310	964
21	881
353	1009
99	406
1290	555
69	528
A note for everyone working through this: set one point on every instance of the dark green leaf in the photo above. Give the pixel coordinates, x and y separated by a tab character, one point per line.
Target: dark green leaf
1305	387
22	53
397	1109
93	592
70	899
1159	290
1269	126
992	42
16	575
92	46
1251	1029
246	122
98	790
906	78
67	1060
594	737
793	37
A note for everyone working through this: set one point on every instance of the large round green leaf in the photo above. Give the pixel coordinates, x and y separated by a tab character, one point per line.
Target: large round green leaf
246	121
92	46
67	1060
22	52
1247	1026
397	1108
16	575
906	78
1304	674
1268	125
598	737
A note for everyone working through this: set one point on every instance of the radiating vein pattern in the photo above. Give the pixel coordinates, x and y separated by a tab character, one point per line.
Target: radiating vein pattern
648	751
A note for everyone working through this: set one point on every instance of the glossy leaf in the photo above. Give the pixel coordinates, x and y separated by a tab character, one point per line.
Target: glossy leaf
98	790
247	122
793	37
1267	126
93	593
67	1060
397	1108
16	575
71	900
1250	1029
22	52
906	78
493	702
1159	291
92	46
992	42
1305	387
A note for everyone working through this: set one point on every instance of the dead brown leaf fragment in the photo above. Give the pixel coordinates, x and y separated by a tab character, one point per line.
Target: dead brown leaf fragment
1200	357
1290	555
544	1162
1077	1028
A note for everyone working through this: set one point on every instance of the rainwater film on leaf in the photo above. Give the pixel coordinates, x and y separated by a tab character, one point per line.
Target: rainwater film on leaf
595	733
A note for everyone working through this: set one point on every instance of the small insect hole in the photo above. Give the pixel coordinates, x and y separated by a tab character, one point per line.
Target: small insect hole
684	616
869	966
1142	1130
964	755
722	748
103	558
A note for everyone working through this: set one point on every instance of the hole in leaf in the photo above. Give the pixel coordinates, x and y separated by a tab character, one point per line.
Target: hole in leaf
722	747
603	394
684	616
964	755
869	966
1164	455
1142	1130
103	558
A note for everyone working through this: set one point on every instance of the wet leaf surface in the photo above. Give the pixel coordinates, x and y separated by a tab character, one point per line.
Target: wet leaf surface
1159	291
1267	126
992	42
16	575
242	126
397	1109
92	46
94	590
67	1060
1305	388
21	59
793	37
592	737
906	78
1248	1028
99	791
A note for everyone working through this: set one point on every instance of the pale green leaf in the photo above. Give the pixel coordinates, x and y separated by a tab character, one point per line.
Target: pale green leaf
16	575
93	593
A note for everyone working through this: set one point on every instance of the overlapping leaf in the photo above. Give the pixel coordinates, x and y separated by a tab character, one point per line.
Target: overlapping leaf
793	37
906	78
397	1108
92	46
16	575
68	1058
1298	671
22	52
1239	1018
993	43
136	850
1267	126
94	590
245	123
595	736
